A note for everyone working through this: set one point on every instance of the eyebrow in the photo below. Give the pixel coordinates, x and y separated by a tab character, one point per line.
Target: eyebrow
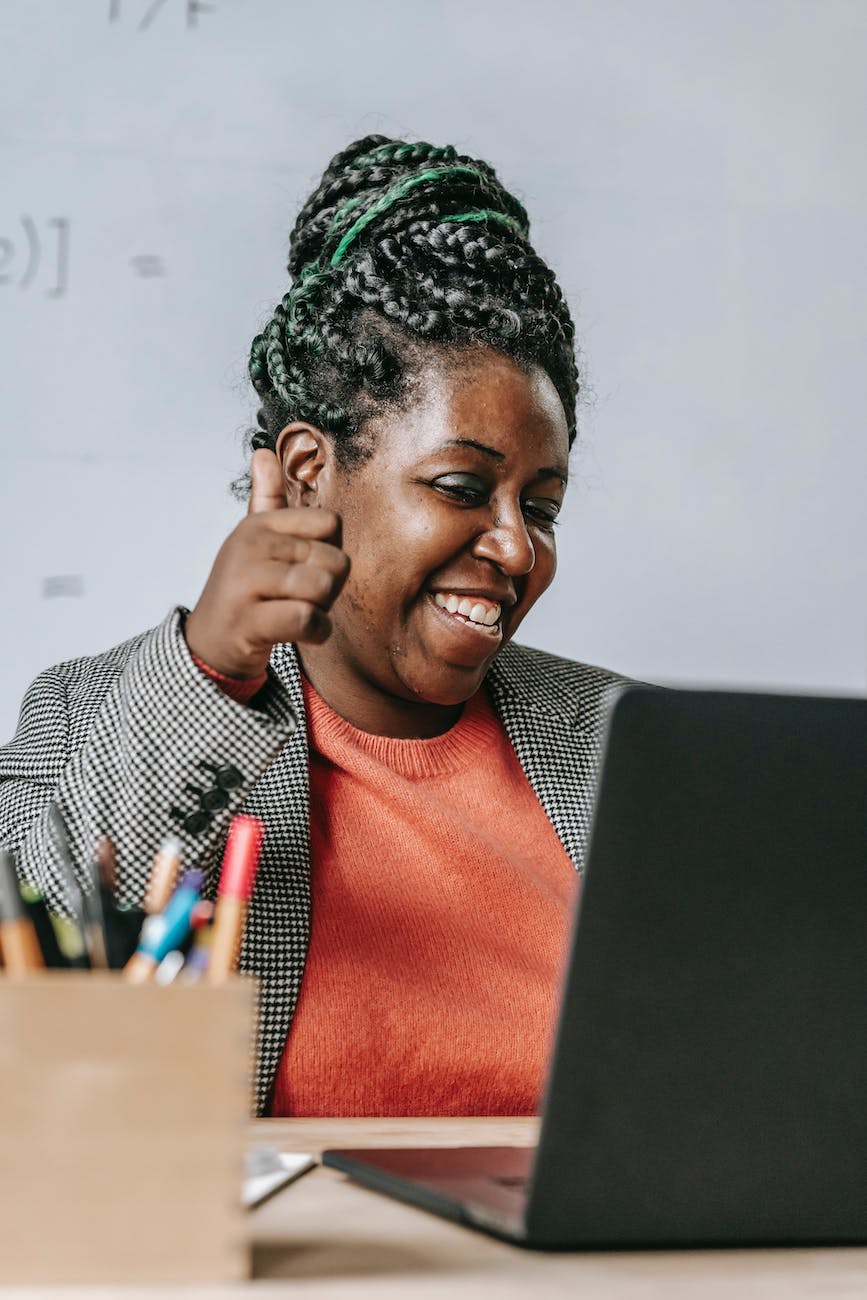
547	471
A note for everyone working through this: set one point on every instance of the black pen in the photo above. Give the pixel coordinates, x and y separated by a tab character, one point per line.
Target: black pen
37	910
69	929
95	918
122	924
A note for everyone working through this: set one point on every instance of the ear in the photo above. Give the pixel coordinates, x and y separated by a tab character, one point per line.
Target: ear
307	459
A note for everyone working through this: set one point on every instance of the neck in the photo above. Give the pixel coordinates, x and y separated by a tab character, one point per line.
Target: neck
369	708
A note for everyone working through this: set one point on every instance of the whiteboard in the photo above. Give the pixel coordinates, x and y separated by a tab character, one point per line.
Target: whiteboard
694	172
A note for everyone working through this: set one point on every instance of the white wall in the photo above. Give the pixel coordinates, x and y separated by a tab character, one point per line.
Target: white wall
695	172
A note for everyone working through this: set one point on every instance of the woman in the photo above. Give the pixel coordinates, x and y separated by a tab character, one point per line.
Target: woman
348	674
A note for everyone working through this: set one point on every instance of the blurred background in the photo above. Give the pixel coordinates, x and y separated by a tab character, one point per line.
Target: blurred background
695	172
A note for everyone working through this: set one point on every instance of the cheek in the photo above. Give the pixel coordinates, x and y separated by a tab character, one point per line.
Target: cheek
546	564
541	577
387	568
396	556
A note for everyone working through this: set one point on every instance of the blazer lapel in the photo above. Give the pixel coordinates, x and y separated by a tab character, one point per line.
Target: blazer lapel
557	736
277	933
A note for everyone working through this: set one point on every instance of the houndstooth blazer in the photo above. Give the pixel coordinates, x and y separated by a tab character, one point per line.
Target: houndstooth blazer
127	742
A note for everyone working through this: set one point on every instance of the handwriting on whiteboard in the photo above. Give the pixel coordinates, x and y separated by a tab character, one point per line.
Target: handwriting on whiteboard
62	584
148	265
30	260
142	13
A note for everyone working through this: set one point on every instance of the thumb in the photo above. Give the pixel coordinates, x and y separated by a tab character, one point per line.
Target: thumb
268	491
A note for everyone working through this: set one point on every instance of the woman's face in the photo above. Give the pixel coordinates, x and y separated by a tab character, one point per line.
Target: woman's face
449	526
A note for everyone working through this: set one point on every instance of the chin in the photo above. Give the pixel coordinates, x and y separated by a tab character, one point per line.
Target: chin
449	687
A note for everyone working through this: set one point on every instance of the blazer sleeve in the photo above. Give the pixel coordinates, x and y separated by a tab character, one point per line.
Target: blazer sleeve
133	745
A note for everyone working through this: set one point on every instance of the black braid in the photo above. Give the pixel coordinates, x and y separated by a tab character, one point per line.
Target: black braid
371	299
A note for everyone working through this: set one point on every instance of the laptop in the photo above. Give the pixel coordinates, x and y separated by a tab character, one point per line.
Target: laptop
707	1085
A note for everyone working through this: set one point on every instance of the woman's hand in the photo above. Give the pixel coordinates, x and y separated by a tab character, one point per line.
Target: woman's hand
274	579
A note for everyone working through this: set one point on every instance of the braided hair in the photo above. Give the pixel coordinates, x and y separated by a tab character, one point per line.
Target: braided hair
401	250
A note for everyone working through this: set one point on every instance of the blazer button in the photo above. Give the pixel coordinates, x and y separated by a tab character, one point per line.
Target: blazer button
213	800
228	778
196	822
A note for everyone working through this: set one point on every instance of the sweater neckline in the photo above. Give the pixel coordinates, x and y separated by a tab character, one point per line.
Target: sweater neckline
475	731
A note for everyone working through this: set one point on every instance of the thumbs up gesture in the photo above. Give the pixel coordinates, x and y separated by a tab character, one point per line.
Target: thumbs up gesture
275	578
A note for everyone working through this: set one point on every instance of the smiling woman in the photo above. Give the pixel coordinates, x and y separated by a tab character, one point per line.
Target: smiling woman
426	784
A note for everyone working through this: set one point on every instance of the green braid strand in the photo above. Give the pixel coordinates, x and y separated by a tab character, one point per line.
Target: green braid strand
391	196
489	214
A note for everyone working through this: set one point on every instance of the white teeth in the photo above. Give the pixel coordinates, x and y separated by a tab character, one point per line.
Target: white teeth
472	610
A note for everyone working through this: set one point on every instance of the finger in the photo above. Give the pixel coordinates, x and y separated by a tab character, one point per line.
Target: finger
307	582
267	491
291	620
301	521
301	550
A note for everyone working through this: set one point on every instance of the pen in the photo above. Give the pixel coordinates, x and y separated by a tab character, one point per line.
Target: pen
95	919
107	861
198	957
160	934
18	943
40	917
164	874
70	935
170	967
240	863
122	923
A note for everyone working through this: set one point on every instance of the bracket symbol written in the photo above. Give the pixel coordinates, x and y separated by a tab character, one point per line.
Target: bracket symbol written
34	256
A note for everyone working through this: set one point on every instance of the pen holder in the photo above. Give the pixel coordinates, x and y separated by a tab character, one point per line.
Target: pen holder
123	1113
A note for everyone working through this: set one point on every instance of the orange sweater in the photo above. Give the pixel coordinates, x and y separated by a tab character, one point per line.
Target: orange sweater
441	902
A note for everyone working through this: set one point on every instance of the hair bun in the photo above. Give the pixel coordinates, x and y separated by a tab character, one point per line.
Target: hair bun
403	246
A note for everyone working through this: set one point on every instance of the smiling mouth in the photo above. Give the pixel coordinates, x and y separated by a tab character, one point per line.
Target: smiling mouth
481	615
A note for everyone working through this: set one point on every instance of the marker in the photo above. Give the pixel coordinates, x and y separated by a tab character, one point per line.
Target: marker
40	917
164	875
122	923
199	956
70	936
107	861
18	942
170	967
202	914
160	934
93	908
240	863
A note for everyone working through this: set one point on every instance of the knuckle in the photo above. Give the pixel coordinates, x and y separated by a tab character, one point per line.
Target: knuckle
325	589
313	624
294	550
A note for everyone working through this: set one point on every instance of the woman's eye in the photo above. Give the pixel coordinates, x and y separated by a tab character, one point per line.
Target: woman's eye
462	487
543	513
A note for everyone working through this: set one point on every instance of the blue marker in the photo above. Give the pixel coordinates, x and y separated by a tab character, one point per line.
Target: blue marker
168	930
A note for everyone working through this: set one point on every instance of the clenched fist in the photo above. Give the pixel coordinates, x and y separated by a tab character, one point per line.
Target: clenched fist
274	579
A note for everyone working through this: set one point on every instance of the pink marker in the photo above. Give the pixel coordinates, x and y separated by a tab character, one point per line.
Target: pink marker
237	876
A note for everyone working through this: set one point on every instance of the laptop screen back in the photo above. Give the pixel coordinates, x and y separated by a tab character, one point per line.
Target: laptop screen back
709	1076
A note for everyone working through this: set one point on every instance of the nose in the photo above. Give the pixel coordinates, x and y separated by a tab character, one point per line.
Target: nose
507	543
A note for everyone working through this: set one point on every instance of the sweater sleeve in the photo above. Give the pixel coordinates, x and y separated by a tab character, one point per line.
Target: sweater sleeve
132	745
240	689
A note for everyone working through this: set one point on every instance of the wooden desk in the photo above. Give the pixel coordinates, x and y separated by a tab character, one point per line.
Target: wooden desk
327	1237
